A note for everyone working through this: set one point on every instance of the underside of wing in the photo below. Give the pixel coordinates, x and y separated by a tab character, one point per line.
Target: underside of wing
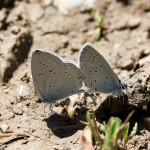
96	72
54	78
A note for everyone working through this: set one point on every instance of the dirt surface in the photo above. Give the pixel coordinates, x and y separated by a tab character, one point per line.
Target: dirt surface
26	123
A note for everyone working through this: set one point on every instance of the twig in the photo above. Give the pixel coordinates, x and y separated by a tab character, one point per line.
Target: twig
13	139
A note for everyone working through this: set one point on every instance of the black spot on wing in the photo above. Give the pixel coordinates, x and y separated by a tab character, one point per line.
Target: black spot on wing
37	51
79	77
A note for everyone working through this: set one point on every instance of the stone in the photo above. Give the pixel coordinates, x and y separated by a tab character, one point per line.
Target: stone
9	115
134	22
18	109
33	15
127	64
4	128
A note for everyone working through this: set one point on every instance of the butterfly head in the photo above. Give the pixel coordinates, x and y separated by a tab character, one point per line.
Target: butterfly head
123	85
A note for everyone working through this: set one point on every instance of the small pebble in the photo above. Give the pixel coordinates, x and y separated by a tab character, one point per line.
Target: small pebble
68	6
2	14
58	110
134	22
71	111
4	128
145	60
127	64
33	15
47	2
18	109
9	115
13	100
89	100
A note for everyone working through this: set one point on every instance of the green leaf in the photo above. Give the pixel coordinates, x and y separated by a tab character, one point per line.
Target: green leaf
92	127
114	124
103	127
126	131
99	18
134	130
97	34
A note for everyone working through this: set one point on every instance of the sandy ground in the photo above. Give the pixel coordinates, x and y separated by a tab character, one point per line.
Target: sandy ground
34	24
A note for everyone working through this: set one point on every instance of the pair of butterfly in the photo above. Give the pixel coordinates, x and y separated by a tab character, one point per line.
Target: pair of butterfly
55	78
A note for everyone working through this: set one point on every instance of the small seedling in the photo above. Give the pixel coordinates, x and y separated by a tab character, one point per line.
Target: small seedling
99	21
113	135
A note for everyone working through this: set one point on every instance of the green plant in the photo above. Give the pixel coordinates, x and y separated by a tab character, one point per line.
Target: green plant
116	133
94	128
99	21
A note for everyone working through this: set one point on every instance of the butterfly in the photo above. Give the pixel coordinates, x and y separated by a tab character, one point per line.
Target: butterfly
55	78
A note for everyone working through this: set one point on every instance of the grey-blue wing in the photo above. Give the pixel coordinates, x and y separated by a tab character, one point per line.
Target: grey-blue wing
96	72
54	78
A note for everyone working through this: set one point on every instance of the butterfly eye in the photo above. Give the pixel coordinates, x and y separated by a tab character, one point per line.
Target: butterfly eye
123	85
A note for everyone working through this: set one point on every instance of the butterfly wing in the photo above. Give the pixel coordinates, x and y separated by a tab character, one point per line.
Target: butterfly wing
96	72
54	78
